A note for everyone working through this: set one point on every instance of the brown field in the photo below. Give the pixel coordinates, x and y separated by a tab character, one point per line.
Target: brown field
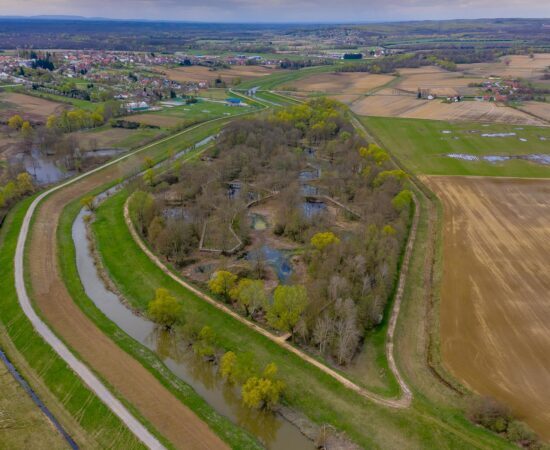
29	107
125	375
538	109
519	66
495	299
340	83
157	120
389	103
440	82
200	73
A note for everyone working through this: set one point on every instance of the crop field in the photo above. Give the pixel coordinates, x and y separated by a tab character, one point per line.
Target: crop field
392	103
538	109
345	85
201	73
29	107
22	424
438	81
495	332
171	117
423	146
513	66
389	103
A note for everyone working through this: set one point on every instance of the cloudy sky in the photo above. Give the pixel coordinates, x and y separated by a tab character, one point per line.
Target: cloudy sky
280	10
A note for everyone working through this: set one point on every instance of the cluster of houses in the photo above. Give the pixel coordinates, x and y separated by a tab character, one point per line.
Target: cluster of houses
499	90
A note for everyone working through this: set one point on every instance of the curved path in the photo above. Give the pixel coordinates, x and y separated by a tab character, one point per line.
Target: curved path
126	375
403	401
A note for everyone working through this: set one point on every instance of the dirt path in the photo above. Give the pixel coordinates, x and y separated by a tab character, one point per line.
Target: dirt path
123	373
495	306
403	401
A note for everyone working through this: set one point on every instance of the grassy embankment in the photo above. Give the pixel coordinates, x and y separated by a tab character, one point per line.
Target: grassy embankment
22	423
422	146
233	435
90	422
86	418
324	400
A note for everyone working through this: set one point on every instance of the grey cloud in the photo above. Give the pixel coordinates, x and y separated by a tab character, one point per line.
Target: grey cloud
282	10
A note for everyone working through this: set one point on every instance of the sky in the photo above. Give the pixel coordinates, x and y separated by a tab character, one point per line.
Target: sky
280	10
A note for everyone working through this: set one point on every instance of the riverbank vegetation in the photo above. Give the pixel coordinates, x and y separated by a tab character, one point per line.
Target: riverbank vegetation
332	202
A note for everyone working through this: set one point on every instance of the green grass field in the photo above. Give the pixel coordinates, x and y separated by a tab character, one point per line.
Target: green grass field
82	104
322	398
102	429
271	81
422	146
22	424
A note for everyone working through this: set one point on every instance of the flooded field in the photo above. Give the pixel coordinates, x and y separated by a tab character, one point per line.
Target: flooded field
536	158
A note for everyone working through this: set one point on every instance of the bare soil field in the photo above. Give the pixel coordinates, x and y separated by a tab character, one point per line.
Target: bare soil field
438	81
340	83
389	103
166	413
200	73
495	299
538	109
513	66
22	424
29	107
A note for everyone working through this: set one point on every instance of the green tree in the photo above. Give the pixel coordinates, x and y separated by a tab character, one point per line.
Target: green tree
141	206
24	184
149	176
15	122
397	174
402	200
88	202
322	240
250	295
164	309
265	391
222	283
26	129
388	230
204	345
238	368
288	304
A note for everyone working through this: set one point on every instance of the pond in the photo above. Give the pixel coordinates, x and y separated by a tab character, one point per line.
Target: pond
259	222
279	260
272	430
43	169
312	207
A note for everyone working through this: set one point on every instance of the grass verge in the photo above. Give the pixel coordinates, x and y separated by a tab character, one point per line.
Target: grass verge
318	395
102	428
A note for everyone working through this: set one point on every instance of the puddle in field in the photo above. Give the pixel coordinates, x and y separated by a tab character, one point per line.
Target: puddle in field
272	430
536	158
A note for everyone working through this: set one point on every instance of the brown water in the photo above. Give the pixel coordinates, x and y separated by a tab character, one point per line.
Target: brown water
273	431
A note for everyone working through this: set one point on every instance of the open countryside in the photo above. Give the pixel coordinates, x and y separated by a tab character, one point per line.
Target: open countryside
281	236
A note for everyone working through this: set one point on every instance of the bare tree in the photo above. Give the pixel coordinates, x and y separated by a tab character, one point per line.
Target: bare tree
346	332
323	331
